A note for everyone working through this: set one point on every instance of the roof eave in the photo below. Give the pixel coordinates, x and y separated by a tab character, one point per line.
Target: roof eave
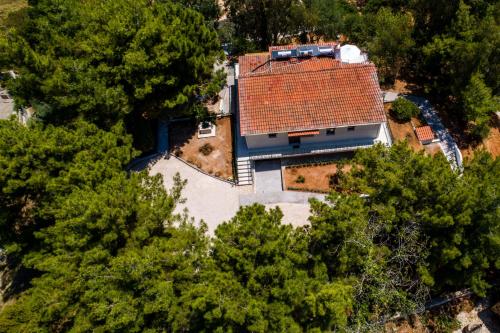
244	133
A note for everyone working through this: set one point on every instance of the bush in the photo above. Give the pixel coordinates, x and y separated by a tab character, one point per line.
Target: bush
206	149
442	322
403	109
300	179
334	180
480	129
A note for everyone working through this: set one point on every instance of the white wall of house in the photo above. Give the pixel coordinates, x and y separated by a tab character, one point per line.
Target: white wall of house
341	134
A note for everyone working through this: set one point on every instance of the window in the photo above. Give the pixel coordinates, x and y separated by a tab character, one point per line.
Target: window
294	141
272	135
330	131
351	128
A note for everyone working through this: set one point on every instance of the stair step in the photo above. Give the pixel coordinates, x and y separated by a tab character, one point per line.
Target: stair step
243	180
248	174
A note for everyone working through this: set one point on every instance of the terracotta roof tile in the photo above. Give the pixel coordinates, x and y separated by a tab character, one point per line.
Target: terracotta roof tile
424	133
252	66
309	94
303	133
250	62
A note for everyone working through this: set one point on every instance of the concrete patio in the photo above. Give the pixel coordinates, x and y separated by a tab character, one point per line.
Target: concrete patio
215	201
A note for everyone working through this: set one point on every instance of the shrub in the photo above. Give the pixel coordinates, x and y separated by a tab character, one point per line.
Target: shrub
300	179
480	129
442	322
403	109
206	149
334	180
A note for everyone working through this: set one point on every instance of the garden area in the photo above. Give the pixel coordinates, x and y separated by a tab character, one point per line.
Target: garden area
401	119
321	176
212	154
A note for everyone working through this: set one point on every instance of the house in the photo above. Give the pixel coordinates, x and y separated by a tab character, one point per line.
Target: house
300	100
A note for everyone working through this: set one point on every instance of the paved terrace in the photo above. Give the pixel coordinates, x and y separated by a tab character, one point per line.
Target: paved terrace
215	201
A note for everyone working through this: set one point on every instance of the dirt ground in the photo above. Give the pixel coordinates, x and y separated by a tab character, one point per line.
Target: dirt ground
184	143
491	144
9	8
432	149
316	178
404	130
467	314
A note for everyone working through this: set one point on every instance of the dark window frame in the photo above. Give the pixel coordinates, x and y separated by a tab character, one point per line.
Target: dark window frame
294	141
330	131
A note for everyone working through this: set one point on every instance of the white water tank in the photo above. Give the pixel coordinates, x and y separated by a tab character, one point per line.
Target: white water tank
351	54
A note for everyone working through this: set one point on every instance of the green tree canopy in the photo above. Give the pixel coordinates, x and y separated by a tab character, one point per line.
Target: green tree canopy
112	261
403	109
106	250
316	19
479	104
466	49
40	165
209	8
263	280
458	215
263	22
102	60
389	49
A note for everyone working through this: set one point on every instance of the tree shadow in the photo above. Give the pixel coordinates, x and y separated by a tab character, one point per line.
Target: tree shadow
490	321
15	278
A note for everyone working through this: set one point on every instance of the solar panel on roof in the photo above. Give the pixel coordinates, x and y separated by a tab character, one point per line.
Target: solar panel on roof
307	51
283	54
303	51
326	51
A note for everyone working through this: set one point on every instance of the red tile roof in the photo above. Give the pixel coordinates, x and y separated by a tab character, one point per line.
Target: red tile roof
261	64
298	95
303	133
424	133
251	62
